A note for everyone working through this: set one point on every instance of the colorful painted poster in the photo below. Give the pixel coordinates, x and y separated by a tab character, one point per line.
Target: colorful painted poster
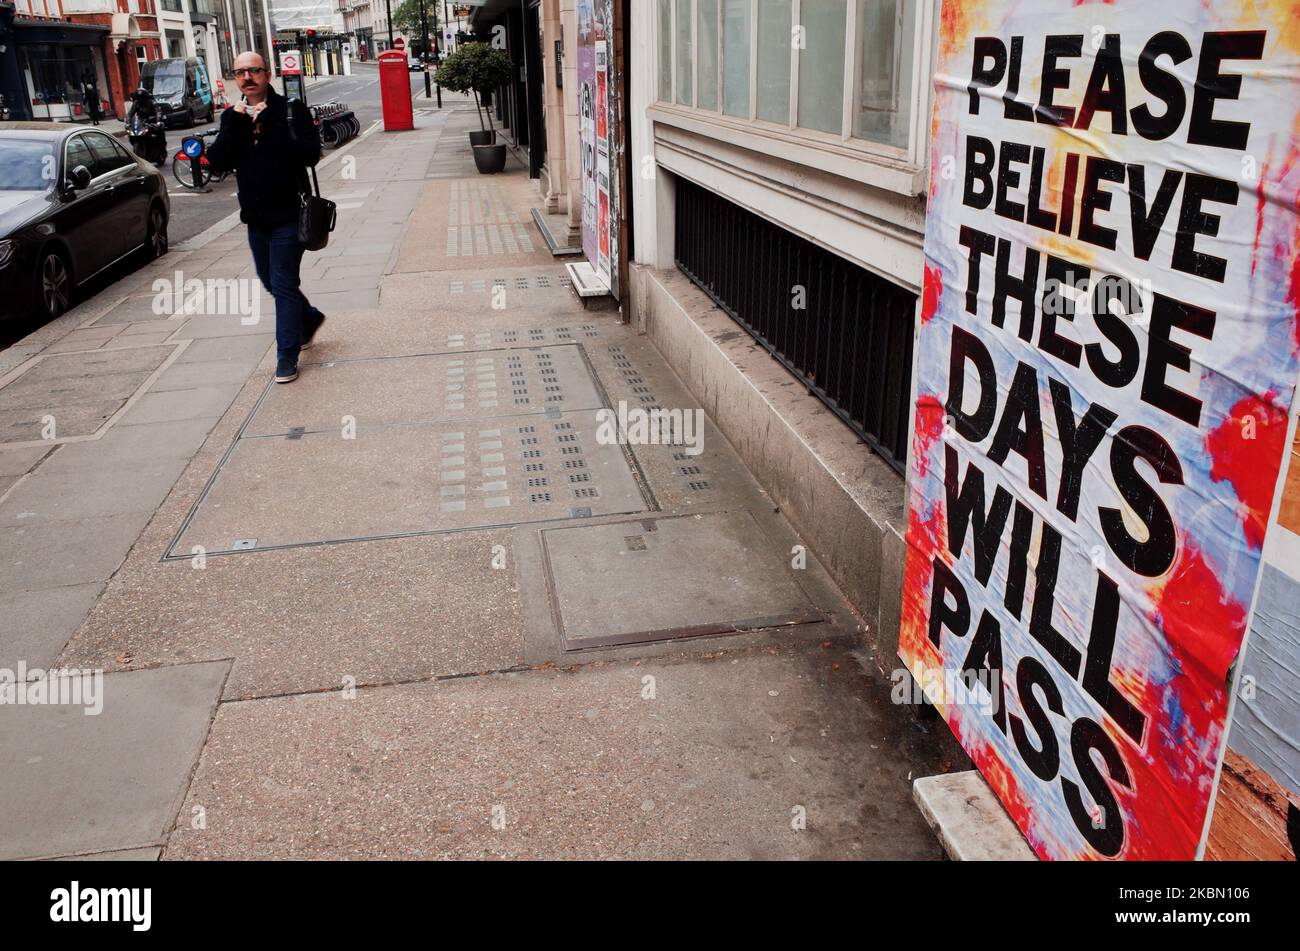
1106	362
593	129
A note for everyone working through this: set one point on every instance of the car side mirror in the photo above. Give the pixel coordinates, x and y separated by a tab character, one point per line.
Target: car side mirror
79	178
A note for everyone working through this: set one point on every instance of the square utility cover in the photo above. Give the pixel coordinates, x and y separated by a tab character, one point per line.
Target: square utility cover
662	578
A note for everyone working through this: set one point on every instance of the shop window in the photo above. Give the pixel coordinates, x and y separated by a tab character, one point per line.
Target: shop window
885	44
56	76
774	45
821	64
685	47
841	69
706	36
666	50
735	57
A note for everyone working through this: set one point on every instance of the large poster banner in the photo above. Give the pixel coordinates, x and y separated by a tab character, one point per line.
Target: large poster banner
1105	366
595	18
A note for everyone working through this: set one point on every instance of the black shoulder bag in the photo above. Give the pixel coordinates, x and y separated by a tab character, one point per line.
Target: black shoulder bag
316	217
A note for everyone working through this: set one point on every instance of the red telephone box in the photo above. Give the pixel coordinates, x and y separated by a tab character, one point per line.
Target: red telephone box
395	91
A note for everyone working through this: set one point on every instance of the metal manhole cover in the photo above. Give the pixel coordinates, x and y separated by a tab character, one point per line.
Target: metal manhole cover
384	455
663	578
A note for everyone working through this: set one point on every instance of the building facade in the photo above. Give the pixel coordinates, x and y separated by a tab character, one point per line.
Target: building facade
359	25
61	46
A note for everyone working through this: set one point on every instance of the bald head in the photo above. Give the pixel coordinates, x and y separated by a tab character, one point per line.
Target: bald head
252	75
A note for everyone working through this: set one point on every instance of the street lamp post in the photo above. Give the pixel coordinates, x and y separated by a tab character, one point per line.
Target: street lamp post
388	13
424	28
437	33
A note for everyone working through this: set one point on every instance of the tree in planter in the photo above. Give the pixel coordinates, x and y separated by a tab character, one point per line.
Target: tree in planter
476	68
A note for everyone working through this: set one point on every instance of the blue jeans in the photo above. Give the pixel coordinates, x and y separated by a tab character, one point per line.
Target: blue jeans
277	256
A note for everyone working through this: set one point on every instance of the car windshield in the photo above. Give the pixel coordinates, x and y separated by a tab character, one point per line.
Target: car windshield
26	165
166	81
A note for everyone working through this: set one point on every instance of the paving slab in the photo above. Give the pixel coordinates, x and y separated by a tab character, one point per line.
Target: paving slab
76	783
79	391
90	338
121	855
344	300
198	328
468	223
38	623
426	388
18	460
407	479
81	419
132	445
197	402
66	553
232	348
31	392
313	618
733	752
145	328
135	309
61	495
186	376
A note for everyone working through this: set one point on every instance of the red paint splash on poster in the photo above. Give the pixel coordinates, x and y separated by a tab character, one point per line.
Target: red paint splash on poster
1246	452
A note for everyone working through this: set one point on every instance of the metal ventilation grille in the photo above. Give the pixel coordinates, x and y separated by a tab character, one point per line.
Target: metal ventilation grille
851	346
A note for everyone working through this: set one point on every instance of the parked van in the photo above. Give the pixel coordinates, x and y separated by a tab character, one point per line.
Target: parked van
181	89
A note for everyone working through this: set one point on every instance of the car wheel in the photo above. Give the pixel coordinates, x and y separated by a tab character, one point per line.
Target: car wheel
156	236
53	286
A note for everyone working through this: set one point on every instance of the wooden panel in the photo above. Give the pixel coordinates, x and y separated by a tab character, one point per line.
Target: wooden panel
1289	515
1250	816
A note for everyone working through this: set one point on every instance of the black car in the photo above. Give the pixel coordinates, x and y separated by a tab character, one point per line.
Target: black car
73	202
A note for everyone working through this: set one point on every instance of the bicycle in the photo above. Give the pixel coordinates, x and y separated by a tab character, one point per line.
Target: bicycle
184	174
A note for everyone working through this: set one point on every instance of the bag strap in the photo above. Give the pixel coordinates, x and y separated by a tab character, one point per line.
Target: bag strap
315	181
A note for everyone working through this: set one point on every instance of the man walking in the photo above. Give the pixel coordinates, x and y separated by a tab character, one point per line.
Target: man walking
270	142
90	93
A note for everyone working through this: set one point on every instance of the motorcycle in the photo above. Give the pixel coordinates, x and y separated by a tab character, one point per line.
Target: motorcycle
147	138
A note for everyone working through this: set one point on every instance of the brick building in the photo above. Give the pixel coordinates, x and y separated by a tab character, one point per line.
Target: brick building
60	44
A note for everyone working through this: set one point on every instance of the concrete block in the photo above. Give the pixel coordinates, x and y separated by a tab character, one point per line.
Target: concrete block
971	824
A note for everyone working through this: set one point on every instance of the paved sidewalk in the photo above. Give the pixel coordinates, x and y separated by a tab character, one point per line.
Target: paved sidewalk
413	605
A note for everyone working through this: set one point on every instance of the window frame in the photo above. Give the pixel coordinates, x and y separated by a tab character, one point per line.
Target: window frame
910	160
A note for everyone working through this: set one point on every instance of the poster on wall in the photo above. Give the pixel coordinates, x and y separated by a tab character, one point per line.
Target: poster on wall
593	104
1257	806
1106	361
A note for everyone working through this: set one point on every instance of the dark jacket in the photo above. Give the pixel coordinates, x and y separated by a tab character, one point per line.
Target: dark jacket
270	158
